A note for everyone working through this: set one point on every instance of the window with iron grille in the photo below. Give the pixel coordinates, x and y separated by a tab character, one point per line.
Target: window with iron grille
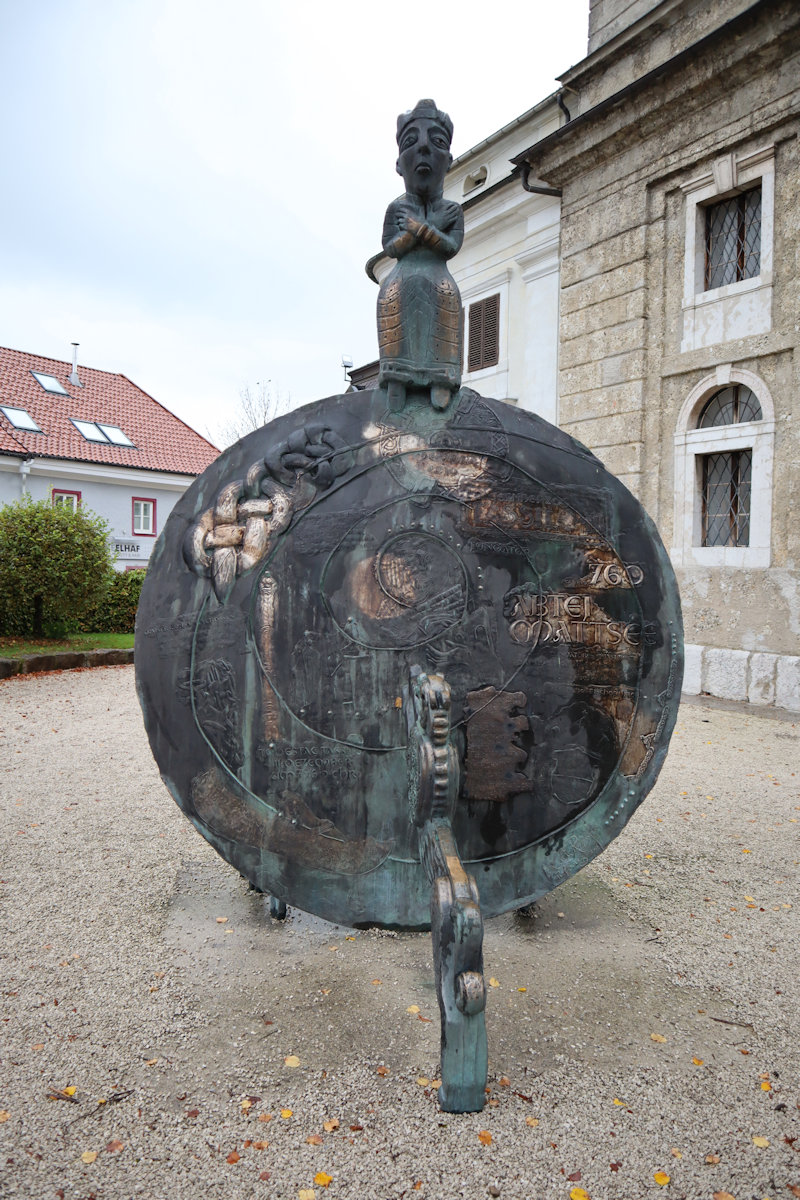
726	498
727	476
483	345
733	239
730	406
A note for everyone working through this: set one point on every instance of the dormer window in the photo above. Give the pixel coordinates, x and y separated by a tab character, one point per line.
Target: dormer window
475	179
19	418
49	383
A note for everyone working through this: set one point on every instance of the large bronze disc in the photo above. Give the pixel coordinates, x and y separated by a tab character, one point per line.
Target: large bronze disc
303	574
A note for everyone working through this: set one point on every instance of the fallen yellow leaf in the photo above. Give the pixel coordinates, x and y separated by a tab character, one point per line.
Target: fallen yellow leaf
222	920
291	1060
657	1037
286	1113
314	1139
504	1081
698	1062
322	1180
620	1103
661	1178
265	1116
39	1046
382	1071
260	1145
306	1194
724	1196
522	989
712	1159
676	1152
534	1121
376	982
247	1105
329	1126
766	1086
413	1008
4	1115
579	1193
89	1156
423	1080
761	1142
752	899
151	1062
494	982
436	1083
485	1137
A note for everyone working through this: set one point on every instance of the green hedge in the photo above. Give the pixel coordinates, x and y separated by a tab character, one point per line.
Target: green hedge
115	610
54	566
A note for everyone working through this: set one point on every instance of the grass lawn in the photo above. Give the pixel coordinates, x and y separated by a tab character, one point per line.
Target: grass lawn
17	647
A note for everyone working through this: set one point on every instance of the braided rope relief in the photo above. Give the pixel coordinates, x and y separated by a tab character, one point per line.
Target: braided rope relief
240	529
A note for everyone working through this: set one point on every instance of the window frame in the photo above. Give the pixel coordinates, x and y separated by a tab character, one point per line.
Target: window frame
487	360
472	293
715	315
58	390
741	236
692	445
142	500
65	492
15	408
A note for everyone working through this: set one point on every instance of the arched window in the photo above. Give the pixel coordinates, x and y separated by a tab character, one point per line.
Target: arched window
730	406
723	472
727	476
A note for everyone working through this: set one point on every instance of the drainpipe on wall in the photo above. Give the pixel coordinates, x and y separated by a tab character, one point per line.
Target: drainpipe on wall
525	169
24	470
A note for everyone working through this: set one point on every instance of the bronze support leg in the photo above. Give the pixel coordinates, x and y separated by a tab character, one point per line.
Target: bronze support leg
456	921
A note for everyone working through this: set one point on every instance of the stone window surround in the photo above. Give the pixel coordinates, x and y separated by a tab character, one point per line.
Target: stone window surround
692	443
470	293
705	311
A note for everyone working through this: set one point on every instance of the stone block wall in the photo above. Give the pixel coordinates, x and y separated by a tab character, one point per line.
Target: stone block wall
631	173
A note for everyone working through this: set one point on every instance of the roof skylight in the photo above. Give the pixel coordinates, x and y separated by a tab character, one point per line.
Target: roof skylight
94	431
49	383
115	434
20	418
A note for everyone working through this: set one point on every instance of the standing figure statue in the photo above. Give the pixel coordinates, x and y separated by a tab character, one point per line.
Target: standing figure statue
419	306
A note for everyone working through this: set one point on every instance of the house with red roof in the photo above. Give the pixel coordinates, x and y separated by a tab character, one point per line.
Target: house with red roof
79	436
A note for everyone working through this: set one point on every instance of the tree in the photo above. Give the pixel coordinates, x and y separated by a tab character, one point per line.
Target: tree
54	565
257	406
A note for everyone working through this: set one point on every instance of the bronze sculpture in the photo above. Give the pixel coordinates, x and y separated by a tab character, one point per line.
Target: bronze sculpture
411	656
419	306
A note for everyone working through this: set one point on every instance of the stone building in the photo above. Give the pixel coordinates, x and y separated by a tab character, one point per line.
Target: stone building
679	174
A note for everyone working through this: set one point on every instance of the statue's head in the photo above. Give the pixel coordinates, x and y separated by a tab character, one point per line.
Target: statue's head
423	139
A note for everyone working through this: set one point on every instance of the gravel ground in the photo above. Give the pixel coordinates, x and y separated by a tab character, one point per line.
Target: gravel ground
643	1020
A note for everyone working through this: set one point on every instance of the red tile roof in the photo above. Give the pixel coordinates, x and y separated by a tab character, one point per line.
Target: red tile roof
162	441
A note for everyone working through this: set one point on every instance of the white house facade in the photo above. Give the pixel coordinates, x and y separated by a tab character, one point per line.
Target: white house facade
88	438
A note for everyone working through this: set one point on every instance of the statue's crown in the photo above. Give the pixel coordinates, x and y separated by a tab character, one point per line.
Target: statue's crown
428	110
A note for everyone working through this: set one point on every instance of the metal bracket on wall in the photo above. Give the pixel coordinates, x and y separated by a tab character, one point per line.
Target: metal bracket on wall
456	920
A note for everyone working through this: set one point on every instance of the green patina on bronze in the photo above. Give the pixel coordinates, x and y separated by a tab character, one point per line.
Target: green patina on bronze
411	659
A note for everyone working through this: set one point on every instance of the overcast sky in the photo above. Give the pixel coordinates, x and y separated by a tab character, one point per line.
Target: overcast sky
191	188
